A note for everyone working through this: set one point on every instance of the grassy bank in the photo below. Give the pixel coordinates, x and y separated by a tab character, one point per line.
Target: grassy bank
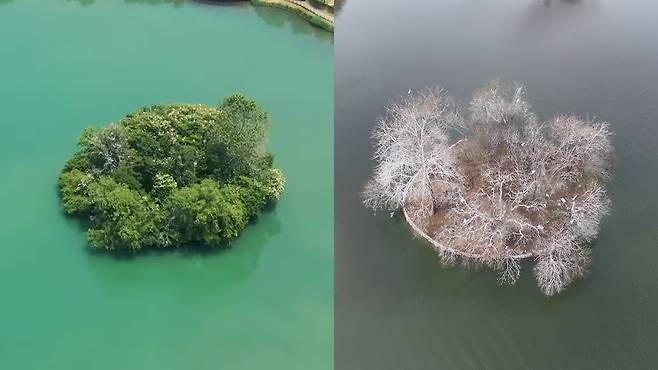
313	18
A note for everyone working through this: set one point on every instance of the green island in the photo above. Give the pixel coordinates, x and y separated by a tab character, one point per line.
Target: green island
319	13
172	175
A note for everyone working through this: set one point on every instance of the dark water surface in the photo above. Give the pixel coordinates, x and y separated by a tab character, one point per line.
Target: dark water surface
395	306
264	304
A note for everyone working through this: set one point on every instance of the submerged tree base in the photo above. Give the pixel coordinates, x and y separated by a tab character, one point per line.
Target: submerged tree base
497	186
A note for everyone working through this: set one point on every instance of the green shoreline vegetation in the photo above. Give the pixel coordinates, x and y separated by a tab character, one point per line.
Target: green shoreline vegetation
172	175
314	17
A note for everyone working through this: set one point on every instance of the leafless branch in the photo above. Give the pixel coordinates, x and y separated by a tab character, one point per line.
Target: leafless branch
509	188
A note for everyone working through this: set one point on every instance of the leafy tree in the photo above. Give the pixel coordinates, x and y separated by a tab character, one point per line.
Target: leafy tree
75	198
171	175
240	145
164	184
207	213
122	218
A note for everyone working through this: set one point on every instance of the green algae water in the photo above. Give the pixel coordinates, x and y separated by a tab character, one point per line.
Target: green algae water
265	303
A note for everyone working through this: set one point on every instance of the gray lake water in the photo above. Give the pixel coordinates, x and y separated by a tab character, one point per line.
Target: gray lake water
395	306
264	303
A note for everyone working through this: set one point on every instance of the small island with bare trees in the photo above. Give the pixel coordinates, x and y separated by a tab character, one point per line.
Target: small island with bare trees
491	185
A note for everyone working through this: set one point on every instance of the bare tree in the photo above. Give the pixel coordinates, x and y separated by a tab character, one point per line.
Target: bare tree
412	141
496	186
580	148
564	259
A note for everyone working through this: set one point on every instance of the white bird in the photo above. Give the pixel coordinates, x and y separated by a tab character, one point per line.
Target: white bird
409	92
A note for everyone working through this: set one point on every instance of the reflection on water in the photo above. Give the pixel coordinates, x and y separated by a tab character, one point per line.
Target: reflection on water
549	2
242	255
150	2
554	16
155	2
272	16
338	5
282	18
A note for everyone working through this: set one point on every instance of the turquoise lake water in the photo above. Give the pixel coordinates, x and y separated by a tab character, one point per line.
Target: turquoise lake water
266	303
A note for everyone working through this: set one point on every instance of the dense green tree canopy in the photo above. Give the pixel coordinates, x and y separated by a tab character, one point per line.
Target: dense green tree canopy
171	175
